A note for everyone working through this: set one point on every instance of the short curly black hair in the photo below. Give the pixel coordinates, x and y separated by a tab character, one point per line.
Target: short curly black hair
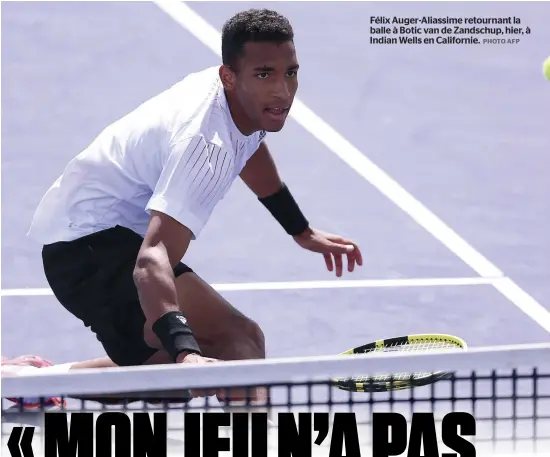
255	25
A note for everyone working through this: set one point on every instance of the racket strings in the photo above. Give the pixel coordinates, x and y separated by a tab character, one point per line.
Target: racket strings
417	346
421	346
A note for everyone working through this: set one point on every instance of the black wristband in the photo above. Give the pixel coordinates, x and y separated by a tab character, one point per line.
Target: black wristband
175	335
286	211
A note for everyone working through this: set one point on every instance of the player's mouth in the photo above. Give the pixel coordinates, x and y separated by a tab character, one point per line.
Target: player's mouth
277	113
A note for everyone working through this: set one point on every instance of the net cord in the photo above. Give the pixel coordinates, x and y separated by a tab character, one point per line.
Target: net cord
271	371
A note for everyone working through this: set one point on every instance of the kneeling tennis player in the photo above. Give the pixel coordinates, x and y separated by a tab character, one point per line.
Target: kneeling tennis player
118	221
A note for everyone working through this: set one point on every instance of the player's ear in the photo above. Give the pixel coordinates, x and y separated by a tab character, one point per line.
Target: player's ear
228	77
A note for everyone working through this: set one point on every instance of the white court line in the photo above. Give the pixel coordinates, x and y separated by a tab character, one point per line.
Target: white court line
296	285
334	141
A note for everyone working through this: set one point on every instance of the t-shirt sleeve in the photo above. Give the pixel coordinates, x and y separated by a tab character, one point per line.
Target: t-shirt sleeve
194	178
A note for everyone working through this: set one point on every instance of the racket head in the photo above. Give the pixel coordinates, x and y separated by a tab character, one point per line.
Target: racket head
399	381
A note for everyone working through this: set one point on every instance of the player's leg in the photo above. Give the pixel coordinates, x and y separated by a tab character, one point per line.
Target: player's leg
9	365
24	365
93	279
28	364
99	362
221	330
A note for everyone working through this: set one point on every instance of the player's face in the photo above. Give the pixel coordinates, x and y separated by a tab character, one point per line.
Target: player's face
266	83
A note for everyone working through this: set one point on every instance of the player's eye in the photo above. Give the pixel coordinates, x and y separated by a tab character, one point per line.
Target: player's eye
263	75
292	73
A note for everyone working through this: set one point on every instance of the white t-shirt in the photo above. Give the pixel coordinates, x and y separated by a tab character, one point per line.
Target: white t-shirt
177	153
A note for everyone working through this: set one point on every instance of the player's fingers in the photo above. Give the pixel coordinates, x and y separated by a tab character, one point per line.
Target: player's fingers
351	262
339	249
338	264
328	261
340	239
355	256
358	255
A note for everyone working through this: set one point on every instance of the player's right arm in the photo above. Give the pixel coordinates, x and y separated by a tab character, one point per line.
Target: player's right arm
177	215
164	244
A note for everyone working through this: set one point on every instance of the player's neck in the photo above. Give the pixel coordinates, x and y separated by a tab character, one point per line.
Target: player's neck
243	123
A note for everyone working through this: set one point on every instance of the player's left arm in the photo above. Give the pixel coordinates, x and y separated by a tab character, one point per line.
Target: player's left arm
260	173
262	177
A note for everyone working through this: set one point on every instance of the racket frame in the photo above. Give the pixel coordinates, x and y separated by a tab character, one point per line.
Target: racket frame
386	383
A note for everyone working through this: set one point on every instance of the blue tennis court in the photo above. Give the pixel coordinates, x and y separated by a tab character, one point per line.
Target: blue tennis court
463	129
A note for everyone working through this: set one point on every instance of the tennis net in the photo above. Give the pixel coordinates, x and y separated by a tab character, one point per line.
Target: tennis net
506	389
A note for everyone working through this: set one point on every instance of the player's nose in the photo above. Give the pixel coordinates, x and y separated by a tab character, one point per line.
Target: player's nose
282	92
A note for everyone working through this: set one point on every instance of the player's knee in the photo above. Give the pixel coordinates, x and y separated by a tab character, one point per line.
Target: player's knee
257	337
247	339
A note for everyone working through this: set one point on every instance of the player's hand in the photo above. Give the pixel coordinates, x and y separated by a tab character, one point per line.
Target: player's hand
195	358
198	359
333	247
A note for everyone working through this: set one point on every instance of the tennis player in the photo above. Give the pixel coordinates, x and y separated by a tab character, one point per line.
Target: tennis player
117	223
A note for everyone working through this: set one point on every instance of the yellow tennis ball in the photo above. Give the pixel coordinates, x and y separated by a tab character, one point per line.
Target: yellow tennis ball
546	68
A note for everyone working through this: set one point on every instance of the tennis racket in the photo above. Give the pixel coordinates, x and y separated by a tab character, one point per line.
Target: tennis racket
398	381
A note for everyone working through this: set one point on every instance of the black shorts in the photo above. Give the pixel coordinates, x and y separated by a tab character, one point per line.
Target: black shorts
92	277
